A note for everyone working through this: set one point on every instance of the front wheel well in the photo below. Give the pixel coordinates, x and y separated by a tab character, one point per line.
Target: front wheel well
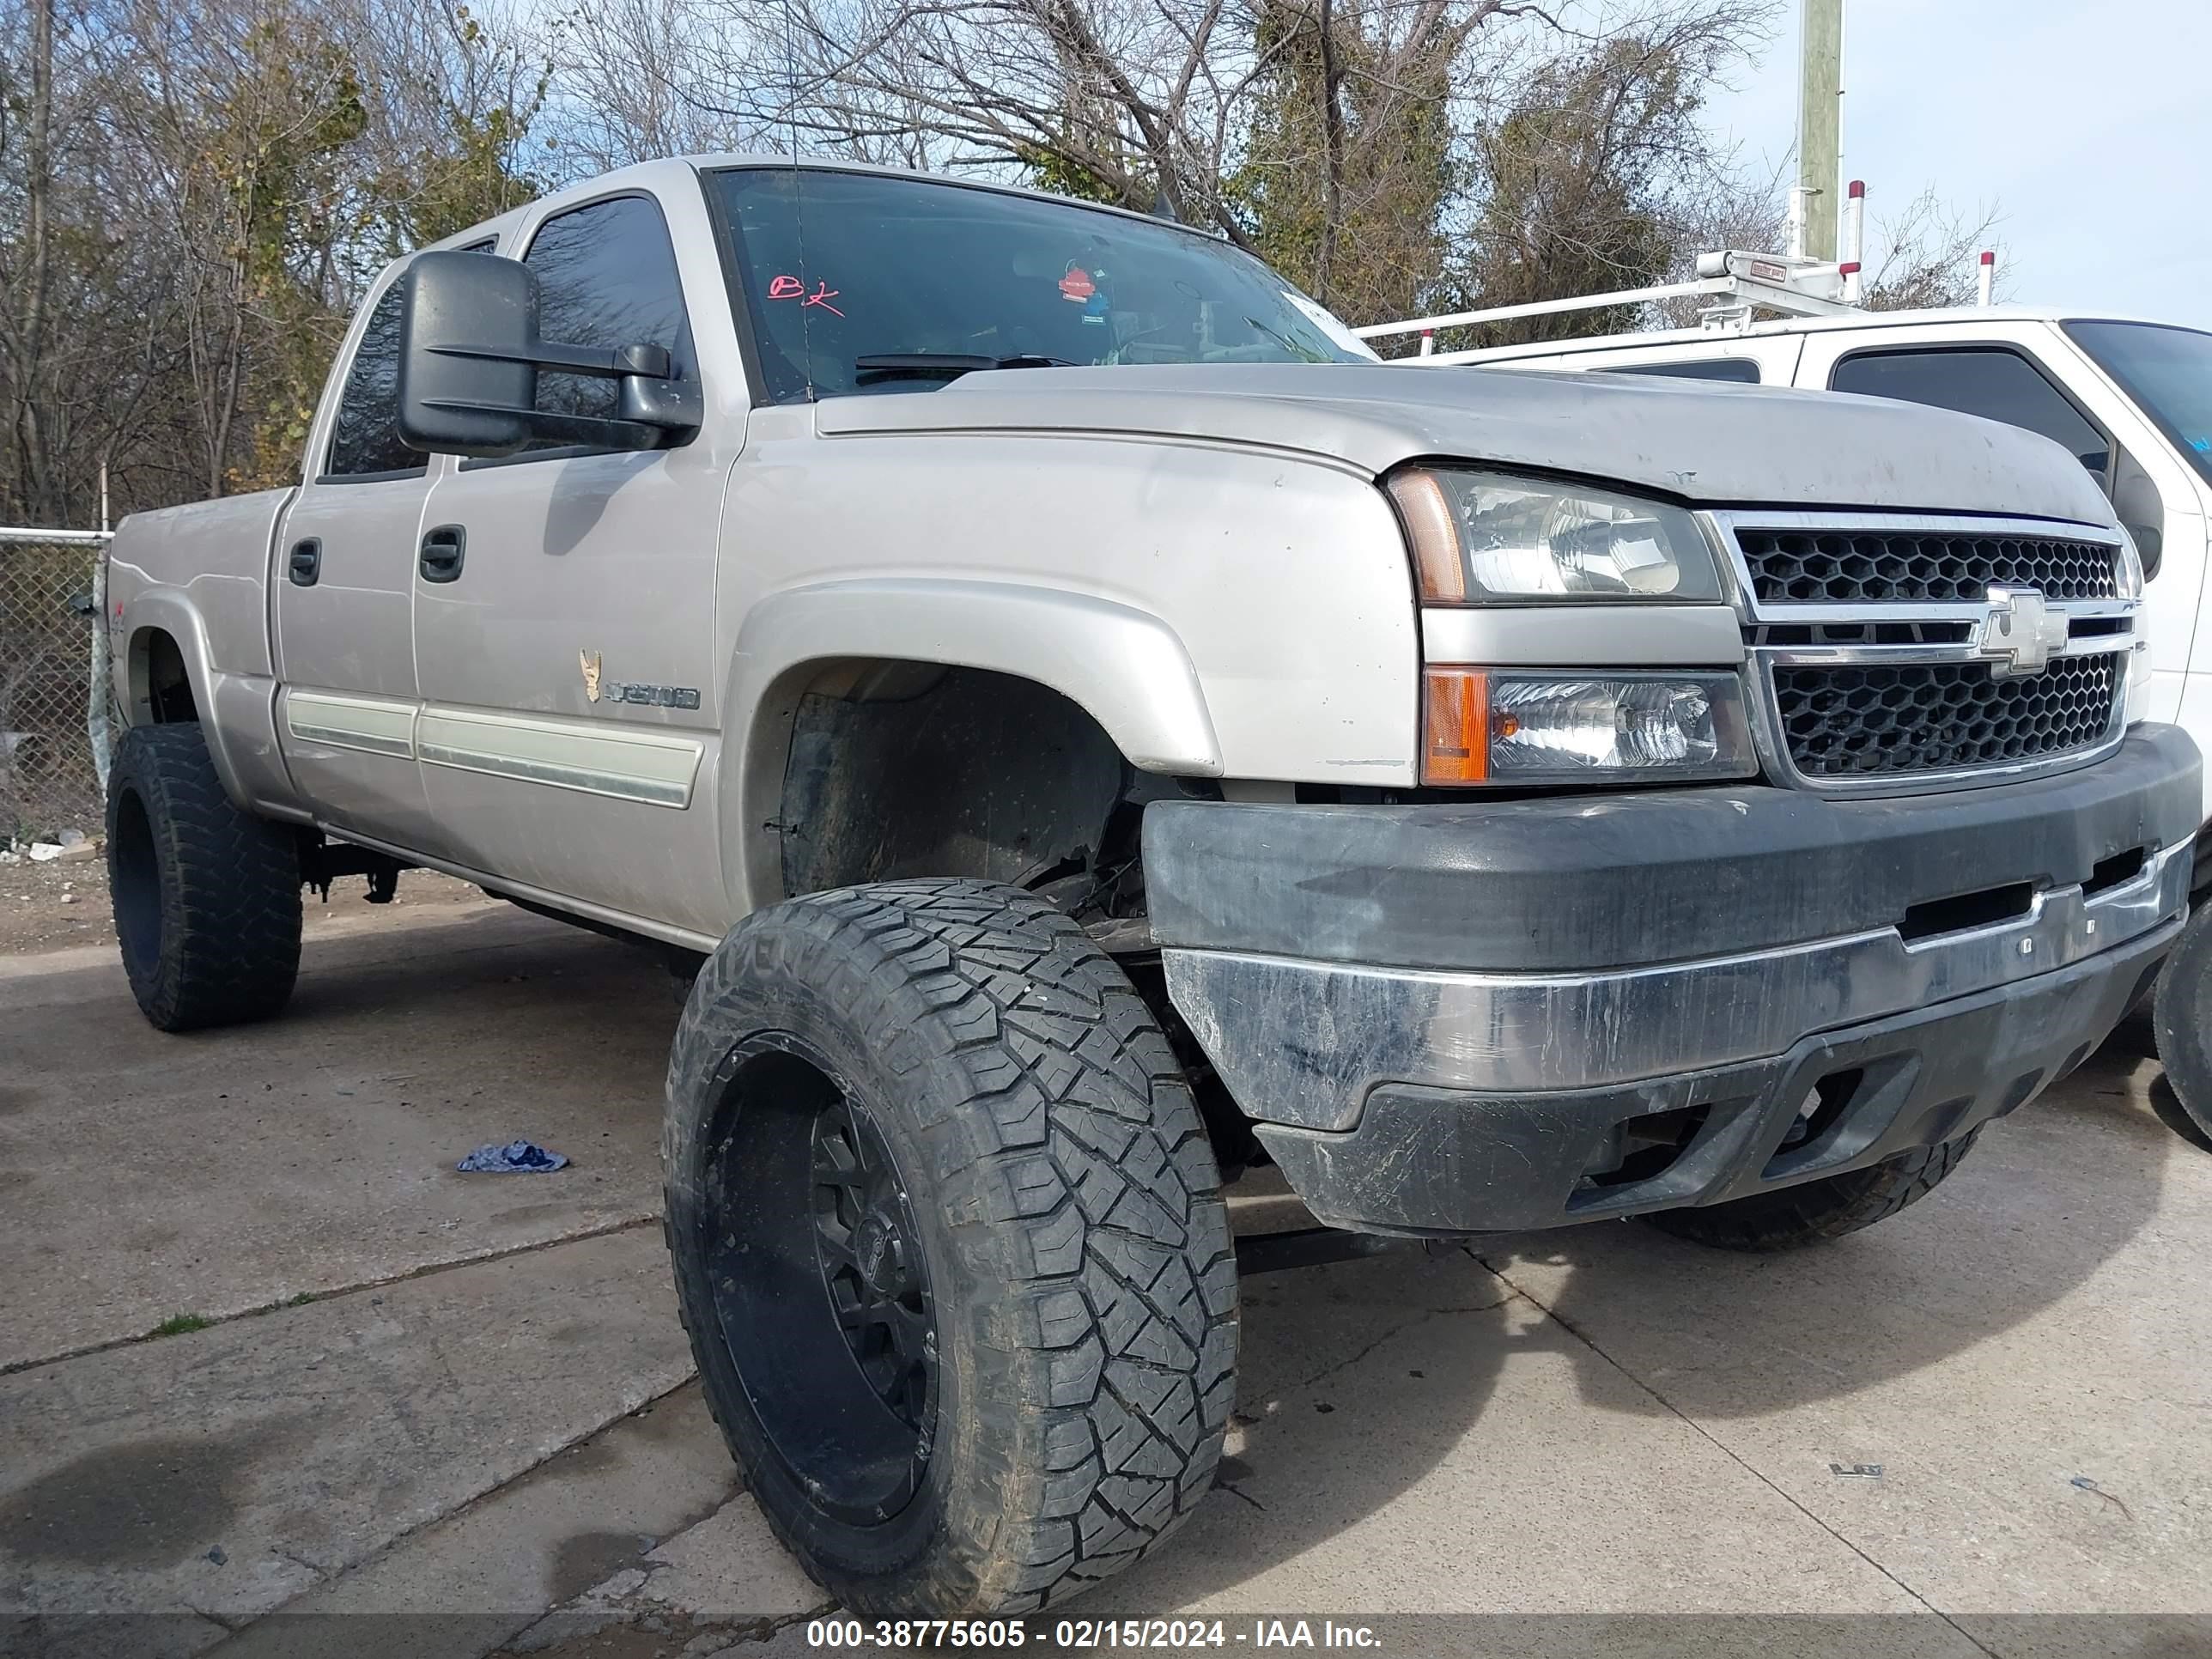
898	769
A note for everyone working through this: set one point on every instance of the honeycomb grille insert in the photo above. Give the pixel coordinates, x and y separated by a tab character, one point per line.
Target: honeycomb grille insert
1859	722
1877	567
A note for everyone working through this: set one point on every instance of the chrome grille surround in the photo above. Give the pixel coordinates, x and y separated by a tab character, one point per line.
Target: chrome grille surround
1901	631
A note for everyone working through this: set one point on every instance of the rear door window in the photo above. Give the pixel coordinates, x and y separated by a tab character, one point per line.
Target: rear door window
1991	381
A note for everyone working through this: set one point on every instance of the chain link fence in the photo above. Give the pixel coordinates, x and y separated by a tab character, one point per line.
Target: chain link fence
52	766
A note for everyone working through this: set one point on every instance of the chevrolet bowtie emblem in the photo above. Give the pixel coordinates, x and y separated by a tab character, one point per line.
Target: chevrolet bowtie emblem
2019	632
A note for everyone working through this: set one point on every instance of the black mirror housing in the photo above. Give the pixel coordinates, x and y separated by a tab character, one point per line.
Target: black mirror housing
468	380
470	356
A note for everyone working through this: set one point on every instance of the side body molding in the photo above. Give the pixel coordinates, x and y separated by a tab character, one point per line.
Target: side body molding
1127	669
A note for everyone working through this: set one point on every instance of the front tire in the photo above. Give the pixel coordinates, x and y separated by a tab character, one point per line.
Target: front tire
1815	1212
950	1244
207	896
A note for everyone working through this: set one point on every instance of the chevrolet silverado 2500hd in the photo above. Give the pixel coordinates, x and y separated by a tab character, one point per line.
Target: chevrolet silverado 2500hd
1099	730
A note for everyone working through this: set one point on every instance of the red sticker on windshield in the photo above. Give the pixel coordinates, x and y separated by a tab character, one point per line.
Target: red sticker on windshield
1076	285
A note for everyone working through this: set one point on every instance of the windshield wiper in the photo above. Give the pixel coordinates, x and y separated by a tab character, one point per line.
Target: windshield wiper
1303	354
943	365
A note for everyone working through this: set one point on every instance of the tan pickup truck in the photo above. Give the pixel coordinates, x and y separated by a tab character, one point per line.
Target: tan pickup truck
1099	731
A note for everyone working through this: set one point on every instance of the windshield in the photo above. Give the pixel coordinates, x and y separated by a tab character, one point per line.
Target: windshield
2167	371
840	266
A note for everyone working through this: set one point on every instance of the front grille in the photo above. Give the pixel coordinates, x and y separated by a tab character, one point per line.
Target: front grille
1863	721
1904	567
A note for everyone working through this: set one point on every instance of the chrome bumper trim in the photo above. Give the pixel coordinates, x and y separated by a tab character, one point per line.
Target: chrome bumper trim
1302	1043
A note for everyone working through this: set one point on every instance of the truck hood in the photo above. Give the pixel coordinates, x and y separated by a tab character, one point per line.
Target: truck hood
1711	443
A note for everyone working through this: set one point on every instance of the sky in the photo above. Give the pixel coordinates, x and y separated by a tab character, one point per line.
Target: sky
2089	126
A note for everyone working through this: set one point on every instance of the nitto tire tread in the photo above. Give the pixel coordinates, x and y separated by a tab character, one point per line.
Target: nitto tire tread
1081	1202
229	904
1817	1211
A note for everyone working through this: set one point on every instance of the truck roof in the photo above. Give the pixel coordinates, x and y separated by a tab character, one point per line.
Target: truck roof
646	173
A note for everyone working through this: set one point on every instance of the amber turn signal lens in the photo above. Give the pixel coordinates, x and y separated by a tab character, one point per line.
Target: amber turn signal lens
1455	725
1434	535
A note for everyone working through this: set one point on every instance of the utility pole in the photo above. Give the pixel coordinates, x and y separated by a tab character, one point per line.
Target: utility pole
1820	123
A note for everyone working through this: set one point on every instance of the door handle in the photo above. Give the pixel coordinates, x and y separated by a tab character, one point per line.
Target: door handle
306	563
442	551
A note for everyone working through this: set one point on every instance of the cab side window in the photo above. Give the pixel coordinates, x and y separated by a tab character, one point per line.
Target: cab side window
1986	380
606	275
365	432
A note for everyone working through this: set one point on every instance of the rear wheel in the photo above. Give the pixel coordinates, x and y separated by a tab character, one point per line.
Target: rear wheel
949	1241
1815	1212
207	896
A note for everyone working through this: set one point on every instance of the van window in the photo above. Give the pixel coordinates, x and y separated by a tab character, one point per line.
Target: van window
365	432
1991	381
2167	371
1696	368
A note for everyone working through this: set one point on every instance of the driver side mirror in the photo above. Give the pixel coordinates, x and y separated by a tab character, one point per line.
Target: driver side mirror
469	358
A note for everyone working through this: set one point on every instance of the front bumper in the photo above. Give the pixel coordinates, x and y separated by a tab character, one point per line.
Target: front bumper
1512	1015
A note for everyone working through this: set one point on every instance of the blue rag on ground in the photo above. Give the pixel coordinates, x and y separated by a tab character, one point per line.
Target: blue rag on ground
516	1157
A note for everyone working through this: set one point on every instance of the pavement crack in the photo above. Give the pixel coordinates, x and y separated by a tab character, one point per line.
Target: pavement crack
1415	1322
428	1269
1729	1452
2086	1485
1395	1331
768	1629
300	1561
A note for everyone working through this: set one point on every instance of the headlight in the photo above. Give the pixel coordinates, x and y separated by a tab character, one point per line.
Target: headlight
1486	726
1479	538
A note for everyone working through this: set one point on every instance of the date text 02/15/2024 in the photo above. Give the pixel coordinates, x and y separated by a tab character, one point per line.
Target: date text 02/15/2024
1165	1635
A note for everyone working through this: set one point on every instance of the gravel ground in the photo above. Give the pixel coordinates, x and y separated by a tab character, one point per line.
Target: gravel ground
52	907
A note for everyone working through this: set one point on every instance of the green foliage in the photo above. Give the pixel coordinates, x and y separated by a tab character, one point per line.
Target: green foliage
181	1324
313	209
1045	167
1377	255
280	139
1575	177
471	170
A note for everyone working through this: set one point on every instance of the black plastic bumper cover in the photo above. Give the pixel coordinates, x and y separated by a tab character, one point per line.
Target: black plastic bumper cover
1589	883
1434	1161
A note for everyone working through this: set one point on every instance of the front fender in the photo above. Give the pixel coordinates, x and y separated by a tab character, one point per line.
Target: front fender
1126	669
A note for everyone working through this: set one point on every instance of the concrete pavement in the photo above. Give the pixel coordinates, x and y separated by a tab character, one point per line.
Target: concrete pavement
479	1435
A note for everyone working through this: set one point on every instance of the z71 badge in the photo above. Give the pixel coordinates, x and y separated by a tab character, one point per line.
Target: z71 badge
647	696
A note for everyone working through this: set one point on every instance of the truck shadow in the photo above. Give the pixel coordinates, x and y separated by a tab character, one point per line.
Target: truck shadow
1537	1382
1535	1385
